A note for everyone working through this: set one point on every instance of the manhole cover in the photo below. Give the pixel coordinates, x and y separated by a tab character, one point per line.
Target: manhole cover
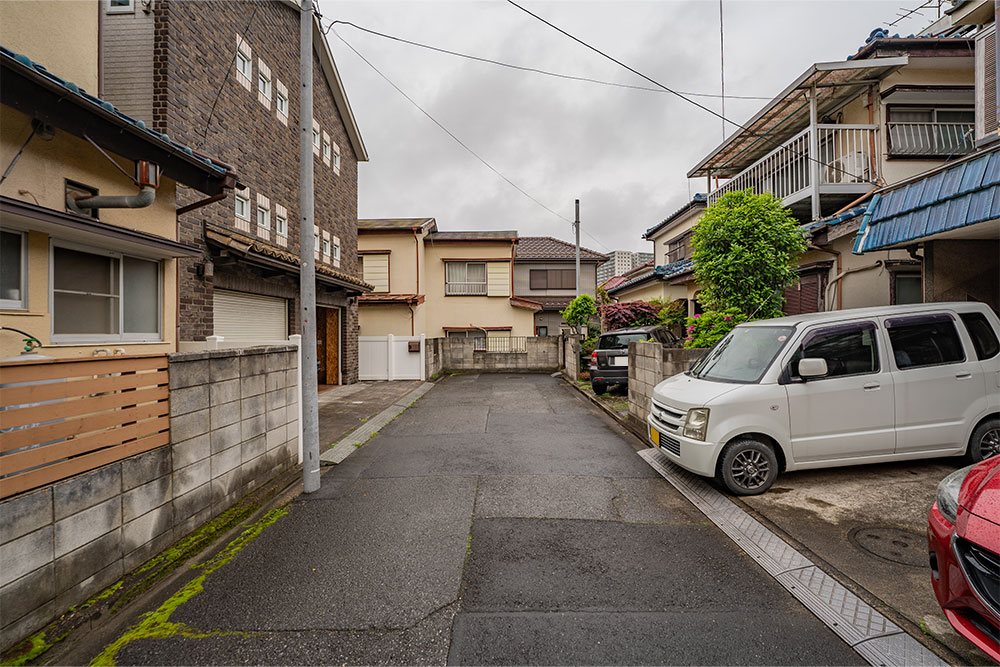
891	544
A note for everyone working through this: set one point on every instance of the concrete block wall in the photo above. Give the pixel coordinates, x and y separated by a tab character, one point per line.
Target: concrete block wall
234	426
542	354
433	357
648	365
570	349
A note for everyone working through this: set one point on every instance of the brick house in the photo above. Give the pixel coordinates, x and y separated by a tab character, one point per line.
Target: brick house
223	77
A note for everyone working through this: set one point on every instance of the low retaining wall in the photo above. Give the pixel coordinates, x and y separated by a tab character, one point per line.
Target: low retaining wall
648	365
233	427
541	355
569	347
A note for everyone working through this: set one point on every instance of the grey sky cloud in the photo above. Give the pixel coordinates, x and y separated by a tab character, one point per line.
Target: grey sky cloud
623	153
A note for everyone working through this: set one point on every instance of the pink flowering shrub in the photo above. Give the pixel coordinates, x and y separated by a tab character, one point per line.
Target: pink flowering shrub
706	329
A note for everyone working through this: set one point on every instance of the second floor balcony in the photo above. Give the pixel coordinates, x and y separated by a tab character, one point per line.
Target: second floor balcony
842	168
930	139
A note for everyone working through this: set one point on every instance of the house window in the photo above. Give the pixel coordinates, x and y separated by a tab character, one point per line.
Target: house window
336	158
316	138
336	249
906	288
242	205
327	149
923	131
281	101
244	62
280	220
263	214
541	331
679	248
104	296
263	84
465	279
327	247
13	270
552	279
121	6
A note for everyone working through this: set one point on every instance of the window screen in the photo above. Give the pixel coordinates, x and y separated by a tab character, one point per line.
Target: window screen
849	349
924	340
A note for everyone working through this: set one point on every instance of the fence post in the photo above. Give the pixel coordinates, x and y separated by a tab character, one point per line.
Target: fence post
296	340
213	342
390	362
423	357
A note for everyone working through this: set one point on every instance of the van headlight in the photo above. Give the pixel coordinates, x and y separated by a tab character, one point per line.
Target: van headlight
947	493
696	423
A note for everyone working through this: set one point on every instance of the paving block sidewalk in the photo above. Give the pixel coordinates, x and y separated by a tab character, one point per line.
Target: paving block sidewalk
346	407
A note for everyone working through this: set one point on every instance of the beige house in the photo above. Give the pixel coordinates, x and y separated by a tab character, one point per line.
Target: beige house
439	283
88	220
895	109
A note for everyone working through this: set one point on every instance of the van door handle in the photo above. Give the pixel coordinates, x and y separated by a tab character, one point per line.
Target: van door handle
872	386
963	376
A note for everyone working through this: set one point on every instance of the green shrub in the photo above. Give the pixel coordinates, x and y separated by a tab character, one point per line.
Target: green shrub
708	328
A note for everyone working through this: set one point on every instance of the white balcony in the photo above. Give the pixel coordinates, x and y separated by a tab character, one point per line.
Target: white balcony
930	139
844	168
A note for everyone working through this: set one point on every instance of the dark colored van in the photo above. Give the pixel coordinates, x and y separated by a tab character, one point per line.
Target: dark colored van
609	362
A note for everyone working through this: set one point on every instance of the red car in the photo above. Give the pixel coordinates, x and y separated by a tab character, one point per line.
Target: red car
964	537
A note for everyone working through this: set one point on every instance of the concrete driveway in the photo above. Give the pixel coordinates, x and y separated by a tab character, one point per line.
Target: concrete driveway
501	520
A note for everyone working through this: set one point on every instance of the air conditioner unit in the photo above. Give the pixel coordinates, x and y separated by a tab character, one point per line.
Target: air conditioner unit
986	86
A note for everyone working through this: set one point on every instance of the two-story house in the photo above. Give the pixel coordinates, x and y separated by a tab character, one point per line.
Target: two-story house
89	244
439	283
224	76
545	272
834	136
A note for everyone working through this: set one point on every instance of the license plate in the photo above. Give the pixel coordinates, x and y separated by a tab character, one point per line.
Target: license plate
619	361
654	435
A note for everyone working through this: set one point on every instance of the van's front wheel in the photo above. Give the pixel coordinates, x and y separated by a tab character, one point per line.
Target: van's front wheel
748	467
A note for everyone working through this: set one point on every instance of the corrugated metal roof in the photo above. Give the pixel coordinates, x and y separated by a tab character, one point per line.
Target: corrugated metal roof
663	272
957	196
546	247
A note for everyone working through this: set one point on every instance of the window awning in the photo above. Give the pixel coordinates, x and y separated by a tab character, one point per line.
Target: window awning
958	201
71	227
788	113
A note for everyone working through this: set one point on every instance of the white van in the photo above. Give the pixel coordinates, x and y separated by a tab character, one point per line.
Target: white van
867	385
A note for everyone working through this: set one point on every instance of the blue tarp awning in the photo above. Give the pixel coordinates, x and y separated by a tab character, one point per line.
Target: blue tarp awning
965	194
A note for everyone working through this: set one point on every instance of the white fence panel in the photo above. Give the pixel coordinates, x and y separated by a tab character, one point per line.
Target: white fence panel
373	358
390	358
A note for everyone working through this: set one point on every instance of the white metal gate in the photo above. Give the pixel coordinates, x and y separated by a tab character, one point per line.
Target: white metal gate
391	357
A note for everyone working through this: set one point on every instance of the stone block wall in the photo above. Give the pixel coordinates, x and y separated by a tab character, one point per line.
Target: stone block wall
541	355
433	357
570	348
648	365
233	427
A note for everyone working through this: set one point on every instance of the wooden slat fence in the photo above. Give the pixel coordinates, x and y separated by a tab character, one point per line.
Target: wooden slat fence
61	417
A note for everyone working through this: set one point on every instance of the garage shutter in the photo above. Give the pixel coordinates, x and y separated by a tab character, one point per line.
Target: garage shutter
249	318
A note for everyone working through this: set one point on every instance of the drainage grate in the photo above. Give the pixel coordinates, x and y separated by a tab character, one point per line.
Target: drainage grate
891	544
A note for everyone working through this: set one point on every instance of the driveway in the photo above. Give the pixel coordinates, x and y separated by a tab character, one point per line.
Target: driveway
501	520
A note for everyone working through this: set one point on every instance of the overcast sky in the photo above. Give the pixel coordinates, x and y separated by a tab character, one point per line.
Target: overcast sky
624	153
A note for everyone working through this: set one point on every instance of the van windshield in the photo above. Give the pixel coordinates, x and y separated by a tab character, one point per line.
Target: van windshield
743	355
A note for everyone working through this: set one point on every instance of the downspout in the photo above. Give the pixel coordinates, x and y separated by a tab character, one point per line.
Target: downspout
836	253
416	248
833	283
412	315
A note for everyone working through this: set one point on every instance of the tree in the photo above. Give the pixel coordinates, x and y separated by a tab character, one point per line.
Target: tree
579	312
629	314
744	250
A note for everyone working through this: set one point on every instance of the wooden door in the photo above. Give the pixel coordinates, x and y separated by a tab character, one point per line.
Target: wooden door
328	345
321	345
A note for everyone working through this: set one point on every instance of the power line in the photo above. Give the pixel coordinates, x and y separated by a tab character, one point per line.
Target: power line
530	69
218	93
701	106
449	132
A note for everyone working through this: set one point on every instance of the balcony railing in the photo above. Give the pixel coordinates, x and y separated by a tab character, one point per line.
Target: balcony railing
465	289
502	344
944	139
786	171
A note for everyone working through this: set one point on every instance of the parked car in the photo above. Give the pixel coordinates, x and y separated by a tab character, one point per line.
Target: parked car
609	360
963	533
833	389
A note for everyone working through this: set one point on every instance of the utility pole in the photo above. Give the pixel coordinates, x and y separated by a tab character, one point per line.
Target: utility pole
576	226
307	251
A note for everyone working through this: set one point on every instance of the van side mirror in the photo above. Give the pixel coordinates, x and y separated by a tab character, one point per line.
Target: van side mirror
812	368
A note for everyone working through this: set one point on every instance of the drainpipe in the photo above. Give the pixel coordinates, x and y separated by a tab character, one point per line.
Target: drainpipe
833	283
145	197
416	248
412	316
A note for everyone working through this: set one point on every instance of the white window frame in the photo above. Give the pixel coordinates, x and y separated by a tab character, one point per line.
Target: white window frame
121	336
336	158
316	242
316	138
242	196
327	248
22	303
466	282
327	149
244	54
264	84
336	249
126	9
281	101
280	220
262	214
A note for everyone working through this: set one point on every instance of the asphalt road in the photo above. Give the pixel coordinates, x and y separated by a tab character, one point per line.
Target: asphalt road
501	520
